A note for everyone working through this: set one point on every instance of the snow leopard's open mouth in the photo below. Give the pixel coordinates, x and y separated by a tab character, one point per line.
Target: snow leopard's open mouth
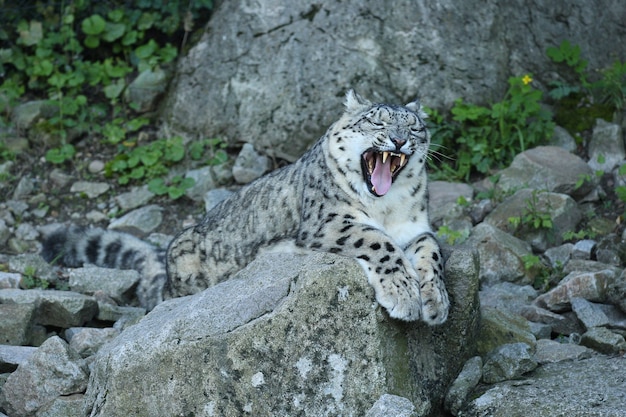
381	168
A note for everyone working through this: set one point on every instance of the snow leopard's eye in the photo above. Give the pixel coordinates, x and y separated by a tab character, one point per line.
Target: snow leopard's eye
377	124
418	129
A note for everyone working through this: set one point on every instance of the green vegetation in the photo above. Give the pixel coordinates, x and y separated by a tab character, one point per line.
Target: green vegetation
30	280
80	57
480	139
533	217
484	138
578	101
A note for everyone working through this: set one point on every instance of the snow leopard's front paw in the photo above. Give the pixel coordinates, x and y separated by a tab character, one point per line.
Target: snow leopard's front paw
425	255
399	294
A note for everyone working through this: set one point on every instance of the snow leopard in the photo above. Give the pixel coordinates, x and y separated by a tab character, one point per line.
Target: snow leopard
360	191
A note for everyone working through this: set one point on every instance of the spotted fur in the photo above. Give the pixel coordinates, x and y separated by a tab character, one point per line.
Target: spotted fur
360	191
325	202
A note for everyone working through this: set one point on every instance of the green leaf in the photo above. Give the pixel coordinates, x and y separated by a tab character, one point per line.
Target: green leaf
91	42
147	50
137	173
93	25
157	186
114	31
60	155
116	15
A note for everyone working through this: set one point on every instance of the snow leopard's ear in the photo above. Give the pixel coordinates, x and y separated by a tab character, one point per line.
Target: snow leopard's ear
355	103
417	107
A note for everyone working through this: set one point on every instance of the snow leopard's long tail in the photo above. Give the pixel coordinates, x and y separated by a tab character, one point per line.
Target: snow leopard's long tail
76	246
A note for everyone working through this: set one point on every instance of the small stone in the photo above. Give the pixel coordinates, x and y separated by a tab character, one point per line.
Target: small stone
391	405
31	264
480	210
591	286
563	139
617	318
501	327
603	340
5	232
54	308
560	323
53	370
13	356
137	197
500	255
203	182
87	340
507	296
24	188
139	222
463	384
60	178
117	284
606	147
95	166
559	255
90	189
588	313
540	330
550	351
250	165
583	249
508	361
26	231
16	321
9	280
95	216
113	313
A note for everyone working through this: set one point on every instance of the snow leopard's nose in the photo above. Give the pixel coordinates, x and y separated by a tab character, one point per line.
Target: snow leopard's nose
398	142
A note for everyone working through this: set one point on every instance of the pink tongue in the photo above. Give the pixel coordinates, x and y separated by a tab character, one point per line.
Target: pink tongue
381	177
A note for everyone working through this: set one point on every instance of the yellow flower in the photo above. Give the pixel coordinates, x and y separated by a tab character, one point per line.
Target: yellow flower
526	79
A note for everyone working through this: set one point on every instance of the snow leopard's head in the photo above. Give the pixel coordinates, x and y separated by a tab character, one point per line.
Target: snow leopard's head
381	142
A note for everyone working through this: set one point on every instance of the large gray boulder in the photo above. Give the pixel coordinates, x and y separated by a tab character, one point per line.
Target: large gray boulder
289	335
273	73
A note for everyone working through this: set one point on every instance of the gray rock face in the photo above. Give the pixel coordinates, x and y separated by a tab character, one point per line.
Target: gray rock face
140	222
508	361
558	389
234	348
53	370
547	168
271	72
463	384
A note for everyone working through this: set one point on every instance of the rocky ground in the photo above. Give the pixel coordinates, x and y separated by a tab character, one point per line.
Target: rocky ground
553	304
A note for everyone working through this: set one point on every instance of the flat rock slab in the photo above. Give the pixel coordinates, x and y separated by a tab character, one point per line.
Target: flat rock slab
558	389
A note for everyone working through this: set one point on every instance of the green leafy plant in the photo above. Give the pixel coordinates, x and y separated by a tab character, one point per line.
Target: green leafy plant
175	188
61	154
539	272
451	236
533	217
214	150
485	138
571	236
146	162
30	280
80	56
580	100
